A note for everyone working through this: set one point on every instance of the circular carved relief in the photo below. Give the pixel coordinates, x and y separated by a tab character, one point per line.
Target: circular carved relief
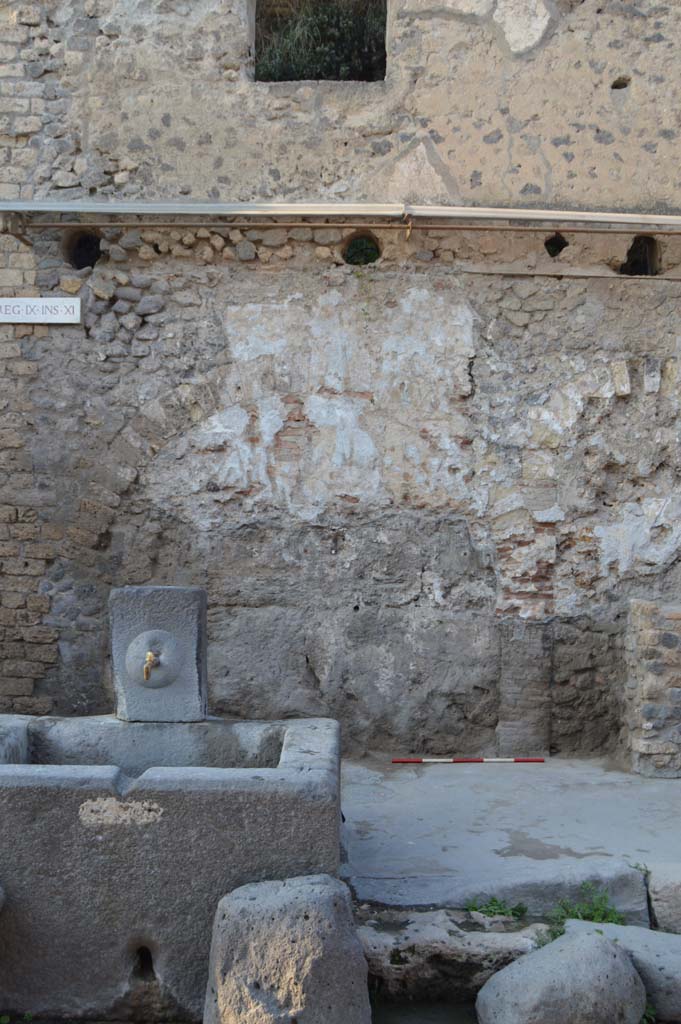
153	659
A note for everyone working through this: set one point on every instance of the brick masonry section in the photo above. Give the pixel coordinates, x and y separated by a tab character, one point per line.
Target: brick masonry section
653	690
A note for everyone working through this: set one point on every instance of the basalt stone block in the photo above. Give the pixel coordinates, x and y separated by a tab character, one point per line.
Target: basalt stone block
664	889
287	951
434	955
655	955
158	651
575	980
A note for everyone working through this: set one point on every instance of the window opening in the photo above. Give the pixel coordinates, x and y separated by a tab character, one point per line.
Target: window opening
321	40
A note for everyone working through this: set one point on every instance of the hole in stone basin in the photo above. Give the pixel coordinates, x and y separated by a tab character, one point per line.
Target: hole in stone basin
82	249
555	244
623	82
143	966
643	258
362	248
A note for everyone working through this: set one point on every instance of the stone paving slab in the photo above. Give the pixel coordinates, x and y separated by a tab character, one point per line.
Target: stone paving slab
443	834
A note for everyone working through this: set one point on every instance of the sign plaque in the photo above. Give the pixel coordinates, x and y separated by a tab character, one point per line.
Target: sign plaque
38	310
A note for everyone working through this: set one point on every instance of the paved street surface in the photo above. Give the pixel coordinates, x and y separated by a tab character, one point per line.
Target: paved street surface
443	834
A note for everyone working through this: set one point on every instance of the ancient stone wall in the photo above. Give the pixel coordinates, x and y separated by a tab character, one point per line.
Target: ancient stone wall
419	497
420	494
553	103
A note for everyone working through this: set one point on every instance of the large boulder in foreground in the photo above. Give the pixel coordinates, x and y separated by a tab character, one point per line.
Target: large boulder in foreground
655	955
285	951
578	979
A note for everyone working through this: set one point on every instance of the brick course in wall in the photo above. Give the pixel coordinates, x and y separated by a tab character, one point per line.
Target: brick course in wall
28	540
653	689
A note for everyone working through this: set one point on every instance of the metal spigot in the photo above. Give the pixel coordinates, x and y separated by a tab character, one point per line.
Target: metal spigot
151	661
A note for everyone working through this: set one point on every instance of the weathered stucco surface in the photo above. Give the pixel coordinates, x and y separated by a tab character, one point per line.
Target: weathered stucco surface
503	102
420	494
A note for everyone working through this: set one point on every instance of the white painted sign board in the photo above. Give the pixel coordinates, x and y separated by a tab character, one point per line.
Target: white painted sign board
57	310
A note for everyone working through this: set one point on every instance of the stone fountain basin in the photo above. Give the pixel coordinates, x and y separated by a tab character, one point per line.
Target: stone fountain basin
119	838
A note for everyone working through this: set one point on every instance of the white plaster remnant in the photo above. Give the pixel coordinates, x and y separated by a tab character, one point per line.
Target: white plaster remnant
549	515
523	22
107	810
344	458
251	328
413	176
644	535
433	8
620	378
550	422
340	375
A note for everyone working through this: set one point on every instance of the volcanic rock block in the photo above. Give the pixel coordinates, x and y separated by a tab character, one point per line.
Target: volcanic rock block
664	888
434	954
285	951
655	955
574	980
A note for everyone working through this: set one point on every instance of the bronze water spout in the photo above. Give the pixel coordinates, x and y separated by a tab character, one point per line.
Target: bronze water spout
151	661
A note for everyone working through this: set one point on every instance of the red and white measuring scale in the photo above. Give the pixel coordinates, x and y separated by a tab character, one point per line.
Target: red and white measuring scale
468	760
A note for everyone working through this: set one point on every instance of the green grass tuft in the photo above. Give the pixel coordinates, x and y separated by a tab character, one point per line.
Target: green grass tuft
497	908
594	906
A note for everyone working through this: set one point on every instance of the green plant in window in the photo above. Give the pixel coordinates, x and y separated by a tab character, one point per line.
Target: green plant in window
341	40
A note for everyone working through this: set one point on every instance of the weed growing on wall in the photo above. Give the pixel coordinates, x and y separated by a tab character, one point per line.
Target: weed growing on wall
341	40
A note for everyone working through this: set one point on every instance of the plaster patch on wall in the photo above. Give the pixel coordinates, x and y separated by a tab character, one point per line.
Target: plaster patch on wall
433	8
344	458
354	358
523	22
550	423
642	537
257	329
227	452
107	810
413	178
